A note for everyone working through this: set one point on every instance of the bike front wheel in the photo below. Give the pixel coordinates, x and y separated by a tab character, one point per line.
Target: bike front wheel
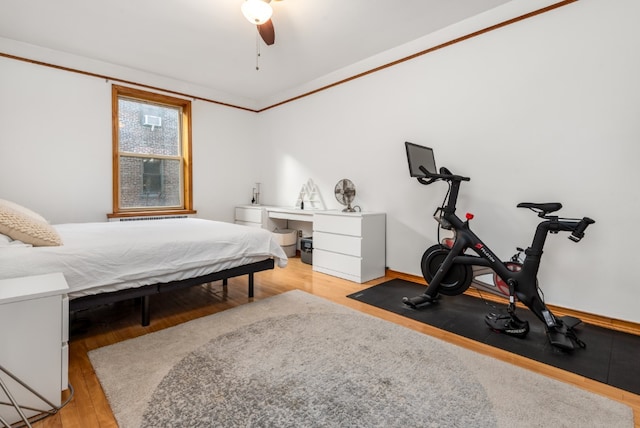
457	279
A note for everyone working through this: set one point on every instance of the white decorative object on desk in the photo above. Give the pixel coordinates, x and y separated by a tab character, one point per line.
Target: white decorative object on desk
255	199
309	197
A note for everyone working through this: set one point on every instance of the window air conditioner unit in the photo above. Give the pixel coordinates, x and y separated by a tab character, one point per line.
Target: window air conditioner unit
152	121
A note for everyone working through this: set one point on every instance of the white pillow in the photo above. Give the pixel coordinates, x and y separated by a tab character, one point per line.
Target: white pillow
22	210
22	224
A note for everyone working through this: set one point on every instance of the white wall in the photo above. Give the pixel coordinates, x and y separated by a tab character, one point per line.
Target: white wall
55	142
224	164
543	110
55	146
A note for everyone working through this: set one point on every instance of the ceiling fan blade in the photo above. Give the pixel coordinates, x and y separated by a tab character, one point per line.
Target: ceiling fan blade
267	32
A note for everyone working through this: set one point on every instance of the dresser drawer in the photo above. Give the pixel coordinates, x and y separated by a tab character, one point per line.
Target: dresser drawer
344	244
253	215
349	265
341	224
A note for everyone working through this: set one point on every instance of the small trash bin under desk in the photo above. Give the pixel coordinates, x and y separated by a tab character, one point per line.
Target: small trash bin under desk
306	250
287	238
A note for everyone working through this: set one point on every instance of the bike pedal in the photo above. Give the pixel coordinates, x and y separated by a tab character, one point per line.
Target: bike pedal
494	316
507	324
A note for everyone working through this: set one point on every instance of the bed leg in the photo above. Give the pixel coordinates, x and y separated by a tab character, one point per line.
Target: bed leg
251	284
144	310
224	284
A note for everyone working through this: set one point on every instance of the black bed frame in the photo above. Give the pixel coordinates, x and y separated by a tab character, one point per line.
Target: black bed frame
146	291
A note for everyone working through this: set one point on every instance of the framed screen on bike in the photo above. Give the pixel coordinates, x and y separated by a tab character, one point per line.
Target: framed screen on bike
420	156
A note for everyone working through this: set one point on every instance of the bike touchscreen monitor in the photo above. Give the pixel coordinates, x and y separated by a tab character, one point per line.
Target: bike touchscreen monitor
420	156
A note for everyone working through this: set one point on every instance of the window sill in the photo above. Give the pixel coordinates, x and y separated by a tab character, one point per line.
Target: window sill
169	213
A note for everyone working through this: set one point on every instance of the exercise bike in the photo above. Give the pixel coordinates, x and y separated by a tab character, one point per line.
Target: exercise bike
450	269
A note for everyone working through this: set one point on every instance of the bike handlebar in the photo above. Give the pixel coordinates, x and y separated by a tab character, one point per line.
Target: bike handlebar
445	174
578	232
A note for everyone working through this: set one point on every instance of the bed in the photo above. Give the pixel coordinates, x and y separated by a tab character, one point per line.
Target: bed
106	262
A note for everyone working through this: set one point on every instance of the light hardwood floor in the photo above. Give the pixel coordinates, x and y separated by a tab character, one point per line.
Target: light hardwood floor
114	323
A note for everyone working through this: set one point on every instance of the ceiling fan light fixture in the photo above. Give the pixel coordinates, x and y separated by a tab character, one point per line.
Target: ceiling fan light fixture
256	11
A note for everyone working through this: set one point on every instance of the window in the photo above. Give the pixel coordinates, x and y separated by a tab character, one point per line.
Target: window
151	154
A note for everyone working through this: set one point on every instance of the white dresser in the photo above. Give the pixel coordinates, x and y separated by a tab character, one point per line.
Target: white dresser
34	331
350	245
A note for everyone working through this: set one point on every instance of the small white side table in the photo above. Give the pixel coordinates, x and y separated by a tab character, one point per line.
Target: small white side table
34	331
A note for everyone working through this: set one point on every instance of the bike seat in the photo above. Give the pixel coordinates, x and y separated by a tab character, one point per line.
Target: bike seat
548	207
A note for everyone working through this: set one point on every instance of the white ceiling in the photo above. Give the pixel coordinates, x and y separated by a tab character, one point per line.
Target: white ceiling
209	43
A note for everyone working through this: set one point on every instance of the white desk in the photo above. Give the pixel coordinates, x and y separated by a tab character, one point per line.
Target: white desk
294	214
347	245
259	215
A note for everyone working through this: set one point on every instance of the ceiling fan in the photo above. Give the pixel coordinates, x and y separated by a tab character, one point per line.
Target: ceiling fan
259	12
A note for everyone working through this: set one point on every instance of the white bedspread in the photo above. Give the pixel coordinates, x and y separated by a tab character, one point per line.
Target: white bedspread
109	256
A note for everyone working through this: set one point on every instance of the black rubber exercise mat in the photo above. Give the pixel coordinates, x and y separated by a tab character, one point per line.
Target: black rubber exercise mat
610	356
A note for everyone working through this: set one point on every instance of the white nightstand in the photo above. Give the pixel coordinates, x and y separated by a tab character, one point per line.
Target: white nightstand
34	331
350	245
250	215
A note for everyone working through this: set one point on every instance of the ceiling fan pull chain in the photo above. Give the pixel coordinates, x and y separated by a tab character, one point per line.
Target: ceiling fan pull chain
257	52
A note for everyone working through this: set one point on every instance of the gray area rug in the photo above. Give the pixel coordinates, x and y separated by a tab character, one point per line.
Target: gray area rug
296	360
